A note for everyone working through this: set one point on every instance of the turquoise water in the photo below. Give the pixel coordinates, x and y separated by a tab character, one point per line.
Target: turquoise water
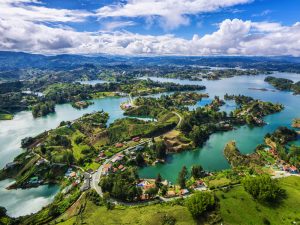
210	156
23	202
24	125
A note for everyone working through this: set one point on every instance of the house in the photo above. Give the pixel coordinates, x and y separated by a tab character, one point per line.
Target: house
144	197
69	171
34	180
285	168
293	170
73	174
136	139
139	148
184	191
102	155
118	158
97	159
119	145
171	193
146	184
106	169
41	161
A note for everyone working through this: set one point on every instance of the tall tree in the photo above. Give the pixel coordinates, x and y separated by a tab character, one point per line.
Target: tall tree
197	171
182	177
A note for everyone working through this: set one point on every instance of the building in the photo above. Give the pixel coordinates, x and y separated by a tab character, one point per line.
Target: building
106	169
293	170
136	139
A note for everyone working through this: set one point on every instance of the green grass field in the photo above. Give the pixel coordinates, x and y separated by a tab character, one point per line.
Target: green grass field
6	116
148	215
238	207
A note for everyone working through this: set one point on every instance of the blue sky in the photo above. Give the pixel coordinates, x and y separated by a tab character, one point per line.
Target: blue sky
151	27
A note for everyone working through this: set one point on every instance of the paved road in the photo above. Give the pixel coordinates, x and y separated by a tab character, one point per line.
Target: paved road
97	175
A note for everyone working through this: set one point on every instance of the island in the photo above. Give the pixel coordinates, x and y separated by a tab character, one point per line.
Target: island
284	84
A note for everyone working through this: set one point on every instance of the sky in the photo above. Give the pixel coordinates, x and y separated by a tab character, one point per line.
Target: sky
151	27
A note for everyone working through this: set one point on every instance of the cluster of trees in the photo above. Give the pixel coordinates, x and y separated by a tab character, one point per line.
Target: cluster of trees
140	86
122	186
160	149
251	111
200	123
263	188
200	202
282	135
196	172
43	108
284	84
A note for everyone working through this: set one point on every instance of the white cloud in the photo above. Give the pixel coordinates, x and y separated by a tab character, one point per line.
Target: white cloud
33	10
173	12
109	26
233	37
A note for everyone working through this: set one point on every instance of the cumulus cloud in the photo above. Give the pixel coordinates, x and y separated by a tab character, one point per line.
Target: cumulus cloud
233	37
172	12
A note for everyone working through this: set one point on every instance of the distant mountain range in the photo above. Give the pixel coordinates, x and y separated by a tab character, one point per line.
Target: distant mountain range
20	60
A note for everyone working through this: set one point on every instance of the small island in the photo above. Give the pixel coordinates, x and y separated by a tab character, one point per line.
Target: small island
82	104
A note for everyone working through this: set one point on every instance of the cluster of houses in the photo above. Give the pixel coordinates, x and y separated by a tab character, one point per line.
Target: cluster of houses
74	177
173	190
100	157
115	165
281	163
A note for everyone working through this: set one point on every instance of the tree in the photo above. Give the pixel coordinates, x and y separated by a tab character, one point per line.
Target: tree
152	192
182	177
158	180
139	159
164	190
263	188
2	211
197	171
160	148
200	202
199	134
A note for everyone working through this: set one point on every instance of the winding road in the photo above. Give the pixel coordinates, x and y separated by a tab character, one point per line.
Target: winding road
96	177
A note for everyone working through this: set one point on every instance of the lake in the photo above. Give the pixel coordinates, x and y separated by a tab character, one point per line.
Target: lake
210	156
